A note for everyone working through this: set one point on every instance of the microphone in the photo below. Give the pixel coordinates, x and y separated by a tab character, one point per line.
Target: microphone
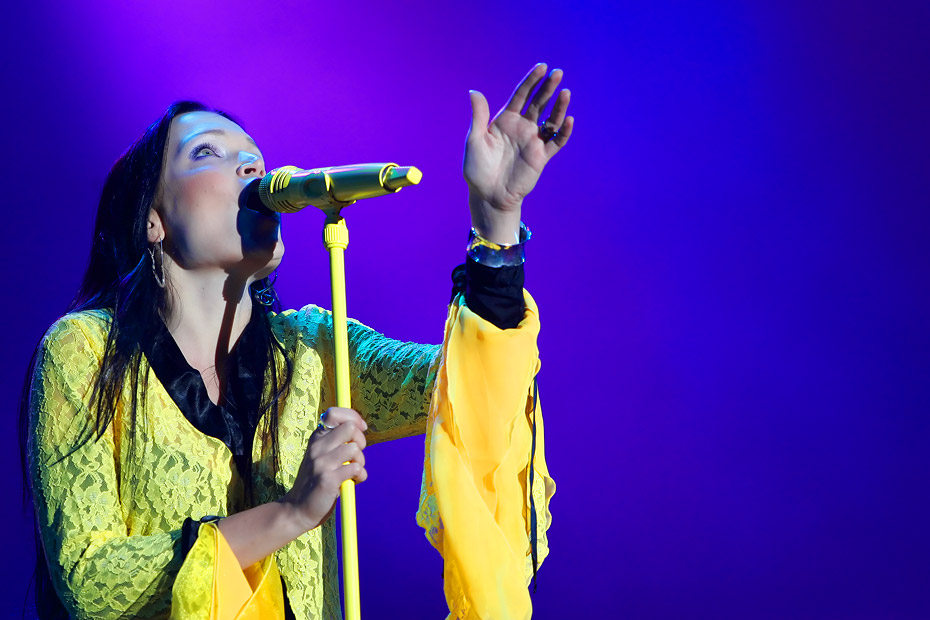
289	189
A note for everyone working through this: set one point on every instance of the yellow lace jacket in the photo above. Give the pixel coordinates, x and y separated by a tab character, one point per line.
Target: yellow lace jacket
111	528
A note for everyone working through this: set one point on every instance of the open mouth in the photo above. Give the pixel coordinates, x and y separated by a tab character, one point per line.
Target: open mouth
249	199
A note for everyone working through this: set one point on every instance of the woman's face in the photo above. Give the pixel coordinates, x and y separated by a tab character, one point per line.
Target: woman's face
209	160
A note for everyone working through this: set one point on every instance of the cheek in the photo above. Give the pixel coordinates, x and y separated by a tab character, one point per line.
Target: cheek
203	193
201	215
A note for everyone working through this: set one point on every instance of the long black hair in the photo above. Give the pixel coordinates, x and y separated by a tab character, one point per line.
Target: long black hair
119	280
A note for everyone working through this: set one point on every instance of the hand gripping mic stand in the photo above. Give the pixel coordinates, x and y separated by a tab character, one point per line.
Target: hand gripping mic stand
289	189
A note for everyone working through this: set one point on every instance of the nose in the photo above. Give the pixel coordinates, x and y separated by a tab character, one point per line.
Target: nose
250	165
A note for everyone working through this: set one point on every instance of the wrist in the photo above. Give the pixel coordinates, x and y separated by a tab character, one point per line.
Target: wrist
499	225
256	533
293	519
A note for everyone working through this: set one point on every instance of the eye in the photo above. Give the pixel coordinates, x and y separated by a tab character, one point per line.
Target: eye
205	150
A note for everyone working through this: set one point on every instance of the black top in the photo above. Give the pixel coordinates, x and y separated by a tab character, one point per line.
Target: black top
233	420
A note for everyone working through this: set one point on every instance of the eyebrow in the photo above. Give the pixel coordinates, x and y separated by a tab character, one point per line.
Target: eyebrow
220	132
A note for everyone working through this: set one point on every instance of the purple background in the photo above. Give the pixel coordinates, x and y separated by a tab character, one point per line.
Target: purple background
730	258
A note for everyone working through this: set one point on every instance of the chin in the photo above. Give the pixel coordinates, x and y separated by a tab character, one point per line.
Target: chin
276	255
260	237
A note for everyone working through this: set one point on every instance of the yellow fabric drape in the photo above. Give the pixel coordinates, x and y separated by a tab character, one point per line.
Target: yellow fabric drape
212	586
474	503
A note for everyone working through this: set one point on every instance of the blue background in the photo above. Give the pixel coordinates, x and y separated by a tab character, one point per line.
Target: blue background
730	259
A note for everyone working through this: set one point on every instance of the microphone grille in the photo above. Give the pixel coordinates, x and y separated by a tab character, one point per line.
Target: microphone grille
272	188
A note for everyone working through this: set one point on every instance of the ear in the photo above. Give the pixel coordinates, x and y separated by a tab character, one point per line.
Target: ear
154	228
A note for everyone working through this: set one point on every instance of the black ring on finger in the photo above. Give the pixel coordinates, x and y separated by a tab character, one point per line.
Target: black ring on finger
547	130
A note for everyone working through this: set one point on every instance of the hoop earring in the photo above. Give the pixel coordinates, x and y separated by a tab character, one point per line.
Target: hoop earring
159	279
267	296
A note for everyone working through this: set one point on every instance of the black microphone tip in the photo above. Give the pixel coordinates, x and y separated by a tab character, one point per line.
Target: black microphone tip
250	199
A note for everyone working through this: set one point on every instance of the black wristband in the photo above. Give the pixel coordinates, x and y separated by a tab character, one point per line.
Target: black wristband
190	530
493	293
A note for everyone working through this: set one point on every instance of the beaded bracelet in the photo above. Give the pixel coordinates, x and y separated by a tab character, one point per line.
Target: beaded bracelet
493	254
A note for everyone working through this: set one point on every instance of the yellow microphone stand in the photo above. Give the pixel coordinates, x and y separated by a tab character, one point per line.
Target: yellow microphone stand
289	189
336	240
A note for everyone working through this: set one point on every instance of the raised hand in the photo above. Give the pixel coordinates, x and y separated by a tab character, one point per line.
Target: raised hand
503	159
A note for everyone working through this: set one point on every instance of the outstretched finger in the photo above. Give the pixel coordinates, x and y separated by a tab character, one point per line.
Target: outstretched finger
518	99
561	138
559	110
542	96
480	114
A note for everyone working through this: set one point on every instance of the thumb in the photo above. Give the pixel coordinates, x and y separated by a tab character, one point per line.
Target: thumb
480	115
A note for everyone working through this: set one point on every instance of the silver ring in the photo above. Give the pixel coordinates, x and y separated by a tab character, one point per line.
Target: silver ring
322	426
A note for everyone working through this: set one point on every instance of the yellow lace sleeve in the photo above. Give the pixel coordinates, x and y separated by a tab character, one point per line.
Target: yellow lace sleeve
474	502
391	380
97	569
